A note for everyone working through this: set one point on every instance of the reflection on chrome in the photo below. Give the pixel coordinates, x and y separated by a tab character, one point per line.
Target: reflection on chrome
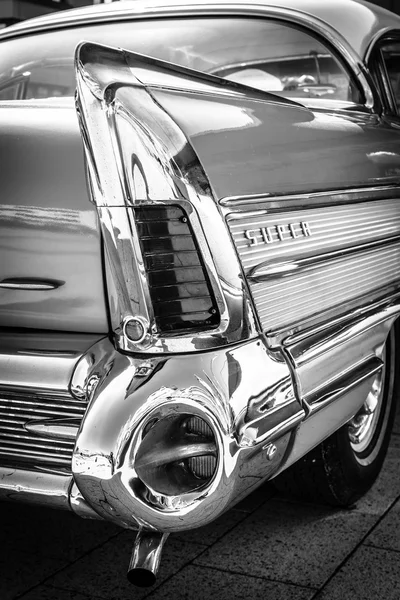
178	444
139	157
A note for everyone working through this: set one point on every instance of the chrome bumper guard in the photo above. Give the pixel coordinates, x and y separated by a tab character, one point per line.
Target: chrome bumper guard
134	451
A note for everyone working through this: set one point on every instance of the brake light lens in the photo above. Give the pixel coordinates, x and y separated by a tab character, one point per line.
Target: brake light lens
179	287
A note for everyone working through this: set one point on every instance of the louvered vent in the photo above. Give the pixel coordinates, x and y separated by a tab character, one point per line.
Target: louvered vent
179	288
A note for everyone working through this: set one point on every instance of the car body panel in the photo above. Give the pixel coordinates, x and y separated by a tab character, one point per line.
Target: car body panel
47	223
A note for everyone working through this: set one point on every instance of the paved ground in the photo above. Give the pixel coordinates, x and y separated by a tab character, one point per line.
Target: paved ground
266	548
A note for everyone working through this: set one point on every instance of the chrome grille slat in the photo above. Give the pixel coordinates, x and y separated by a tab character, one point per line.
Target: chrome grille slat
37	413
53	403
23	448
27	447
27	440
21	457
12	422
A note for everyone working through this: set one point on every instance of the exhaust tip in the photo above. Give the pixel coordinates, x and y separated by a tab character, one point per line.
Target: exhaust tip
145	558
141	577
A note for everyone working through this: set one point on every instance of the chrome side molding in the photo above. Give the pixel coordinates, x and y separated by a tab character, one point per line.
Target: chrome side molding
32	284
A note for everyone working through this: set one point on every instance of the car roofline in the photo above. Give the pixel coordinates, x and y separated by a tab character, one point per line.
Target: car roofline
372	21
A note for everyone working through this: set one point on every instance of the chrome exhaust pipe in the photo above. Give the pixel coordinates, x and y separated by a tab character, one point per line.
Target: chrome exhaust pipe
145	559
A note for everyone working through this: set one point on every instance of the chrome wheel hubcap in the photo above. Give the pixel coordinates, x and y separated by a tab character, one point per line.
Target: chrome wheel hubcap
363	425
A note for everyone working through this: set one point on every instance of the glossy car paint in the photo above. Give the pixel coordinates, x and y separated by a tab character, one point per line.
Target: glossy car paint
48	228
252	147
247	147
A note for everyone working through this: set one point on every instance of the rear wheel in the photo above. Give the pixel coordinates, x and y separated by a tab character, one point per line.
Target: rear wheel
345	465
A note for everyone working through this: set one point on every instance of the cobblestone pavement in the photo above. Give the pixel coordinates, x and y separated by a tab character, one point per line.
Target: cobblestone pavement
265	548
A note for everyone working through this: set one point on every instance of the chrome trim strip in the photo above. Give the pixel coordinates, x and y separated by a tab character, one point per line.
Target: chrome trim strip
276	270
309	345
30	284
318	322
46	489
112	13
342	385
390	34
322	423
309	200
281	423
332	362
334	371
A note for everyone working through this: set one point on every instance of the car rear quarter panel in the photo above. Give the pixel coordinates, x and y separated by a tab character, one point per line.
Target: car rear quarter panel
249	147
48	227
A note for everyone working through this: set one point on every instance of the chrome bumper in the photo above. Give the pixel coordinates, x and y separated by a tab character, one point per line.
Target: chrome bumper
250	418
262	411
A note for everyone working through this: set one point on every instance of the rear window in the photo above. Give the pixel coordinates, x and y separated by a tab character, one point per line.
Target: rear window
265	54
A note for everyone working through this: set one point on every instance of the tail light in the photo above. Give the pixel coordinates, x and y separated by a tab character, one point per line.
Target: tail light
179	288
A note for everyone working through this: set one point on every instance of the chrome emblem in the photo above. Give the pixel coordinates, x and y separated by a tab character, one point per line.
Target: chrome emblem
277	233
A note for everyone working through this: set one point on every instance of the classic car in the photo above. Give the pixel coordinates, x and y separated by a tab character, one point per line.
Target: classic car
200	257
